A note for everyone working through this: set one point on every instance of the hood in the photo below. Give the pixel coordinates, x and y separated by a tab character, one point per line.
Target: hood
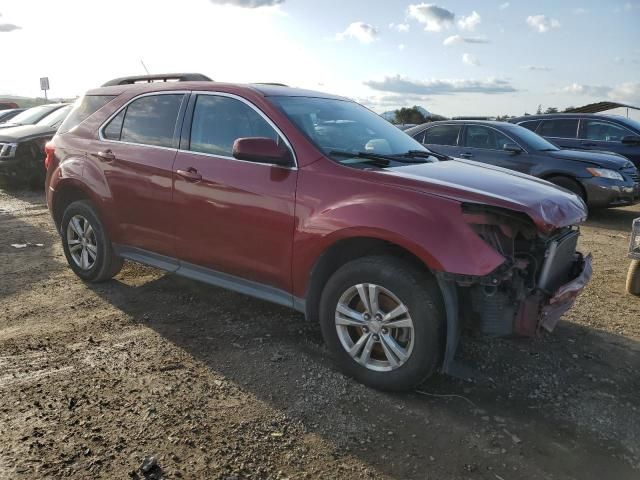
608	160
549	207
25	132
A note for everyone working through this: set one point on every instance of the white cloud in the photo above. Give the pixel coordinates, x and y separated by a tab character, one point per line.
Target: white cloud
402	46
470	22
402	85
433	17
536	68
628	92
504	6
248	3
470	60
542	23
458	39
363	32
400	27
587	90
8	27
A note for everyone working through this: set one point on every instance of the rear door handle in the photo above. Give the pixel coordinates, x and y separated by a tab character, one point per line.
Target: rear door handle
107	156
466	155
190	174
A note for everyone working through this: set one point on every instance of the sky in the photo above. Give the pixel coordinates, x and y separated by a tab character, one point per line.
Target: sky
452	57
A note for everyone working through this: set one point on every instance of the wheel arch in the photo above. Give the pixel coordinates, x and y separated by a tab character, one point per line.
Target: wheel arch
574	179
67	193
344	250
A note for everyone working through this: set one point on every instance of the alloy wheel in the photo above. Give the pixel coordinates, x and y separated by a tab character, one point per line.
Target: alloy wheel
81	241
374	327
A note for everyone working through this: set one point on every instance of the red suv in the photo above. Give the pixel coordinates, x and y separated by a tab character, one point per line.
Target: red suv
313	201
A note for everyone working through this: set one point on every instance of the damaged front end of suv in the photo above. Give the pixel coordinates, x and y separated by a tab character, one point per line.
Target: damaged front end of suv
539	280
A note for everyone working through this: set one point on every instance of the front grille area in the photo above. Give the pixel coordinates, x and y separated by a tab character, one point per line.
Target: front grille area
632	173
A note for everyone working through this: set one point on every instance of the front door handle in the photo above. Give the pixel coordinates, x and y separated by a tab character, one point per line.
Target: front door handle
190	174
466	155
107	156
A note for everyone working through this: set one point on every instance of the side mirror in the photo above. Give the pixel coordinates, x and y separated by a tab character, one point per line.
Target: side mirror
631	139
261	150
511	148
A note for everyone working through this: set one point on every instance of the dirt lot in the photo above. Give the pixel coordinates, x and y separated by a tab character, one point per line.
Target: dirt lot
93	379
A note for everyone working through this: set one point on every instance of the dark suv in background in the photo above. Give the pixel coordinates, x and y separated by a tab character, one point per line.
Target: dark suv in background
256	188
601	179
588	131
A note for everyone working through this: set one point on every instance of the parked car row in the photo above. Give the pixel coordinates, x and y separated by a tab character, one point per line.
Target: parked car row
22	140
312	201
601	179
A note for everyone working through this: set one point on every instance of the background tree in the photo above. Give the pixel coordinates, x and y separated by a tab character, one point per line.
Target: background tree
551	110
409	115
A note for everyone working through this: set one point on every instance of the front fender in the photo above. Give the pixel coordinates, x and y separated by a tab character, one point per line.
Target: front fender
430	227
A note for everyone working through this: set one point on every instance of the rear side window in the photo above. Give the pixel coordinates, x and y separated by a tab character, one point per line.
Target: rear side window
442	135
530	124
149	120
218	121
83	108
560	128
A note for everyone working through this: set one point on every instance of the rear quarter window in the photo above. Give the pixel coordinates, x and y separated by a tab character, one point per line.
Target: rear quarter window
83	109
530	124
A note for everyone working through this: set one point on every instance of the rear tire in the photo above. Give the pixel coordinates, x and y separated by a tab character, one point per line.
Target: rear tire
633	278
396	357
88	249
569	184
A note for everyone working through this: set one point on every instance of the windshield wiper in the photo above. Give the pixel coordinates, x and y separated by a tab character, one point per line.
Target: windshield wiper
427	153
380	157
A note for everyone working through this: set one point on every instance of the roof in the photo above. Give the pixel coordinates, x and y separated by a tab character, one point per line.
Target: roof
600	107
264	89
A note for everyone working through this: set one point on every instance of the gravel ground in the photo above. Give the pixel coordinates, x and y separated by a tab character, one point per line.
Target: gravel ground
97	379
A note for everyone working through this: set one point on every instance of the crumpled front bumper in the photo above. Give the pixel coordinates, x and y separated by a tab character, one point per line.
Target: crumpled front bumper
540	311
564	298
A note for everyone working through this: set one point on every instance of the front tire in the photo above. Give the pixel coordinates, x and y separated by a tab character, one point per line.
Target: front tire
383	320
569	184
88	249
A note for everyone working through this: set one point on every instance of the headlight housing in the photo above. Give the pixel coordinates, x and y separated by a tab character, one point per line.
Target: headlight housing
605	173
634	244
8	150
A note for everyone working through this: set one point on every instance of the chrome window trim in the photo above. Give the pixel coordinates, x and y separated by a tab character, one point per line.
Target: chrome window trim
585	120
492	128
131	100
265	118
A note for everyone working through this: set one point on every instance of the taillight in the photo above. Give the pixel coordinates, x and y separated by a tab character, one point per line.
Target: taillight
49	150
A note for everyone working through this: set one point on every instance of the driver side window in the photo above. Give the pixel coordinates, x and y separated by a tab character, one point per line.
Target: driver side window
478	136
218	121
602	131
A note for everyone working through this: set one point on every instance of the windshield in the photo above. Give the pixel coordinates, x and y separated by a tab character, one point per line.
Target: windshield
55	117
339	126
631	122
32	115
533	140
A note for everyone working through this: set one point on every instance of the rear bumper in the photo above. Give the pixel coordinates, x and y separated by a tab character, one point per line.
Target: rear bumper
540	311
604	192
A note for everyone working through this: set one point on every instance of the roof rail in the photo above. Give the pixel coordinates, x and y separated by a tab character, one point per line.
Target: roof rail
275	84
163	77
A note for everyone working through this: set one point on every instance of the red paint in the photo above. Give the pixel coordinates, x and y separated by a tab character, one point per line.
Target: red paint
270	224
